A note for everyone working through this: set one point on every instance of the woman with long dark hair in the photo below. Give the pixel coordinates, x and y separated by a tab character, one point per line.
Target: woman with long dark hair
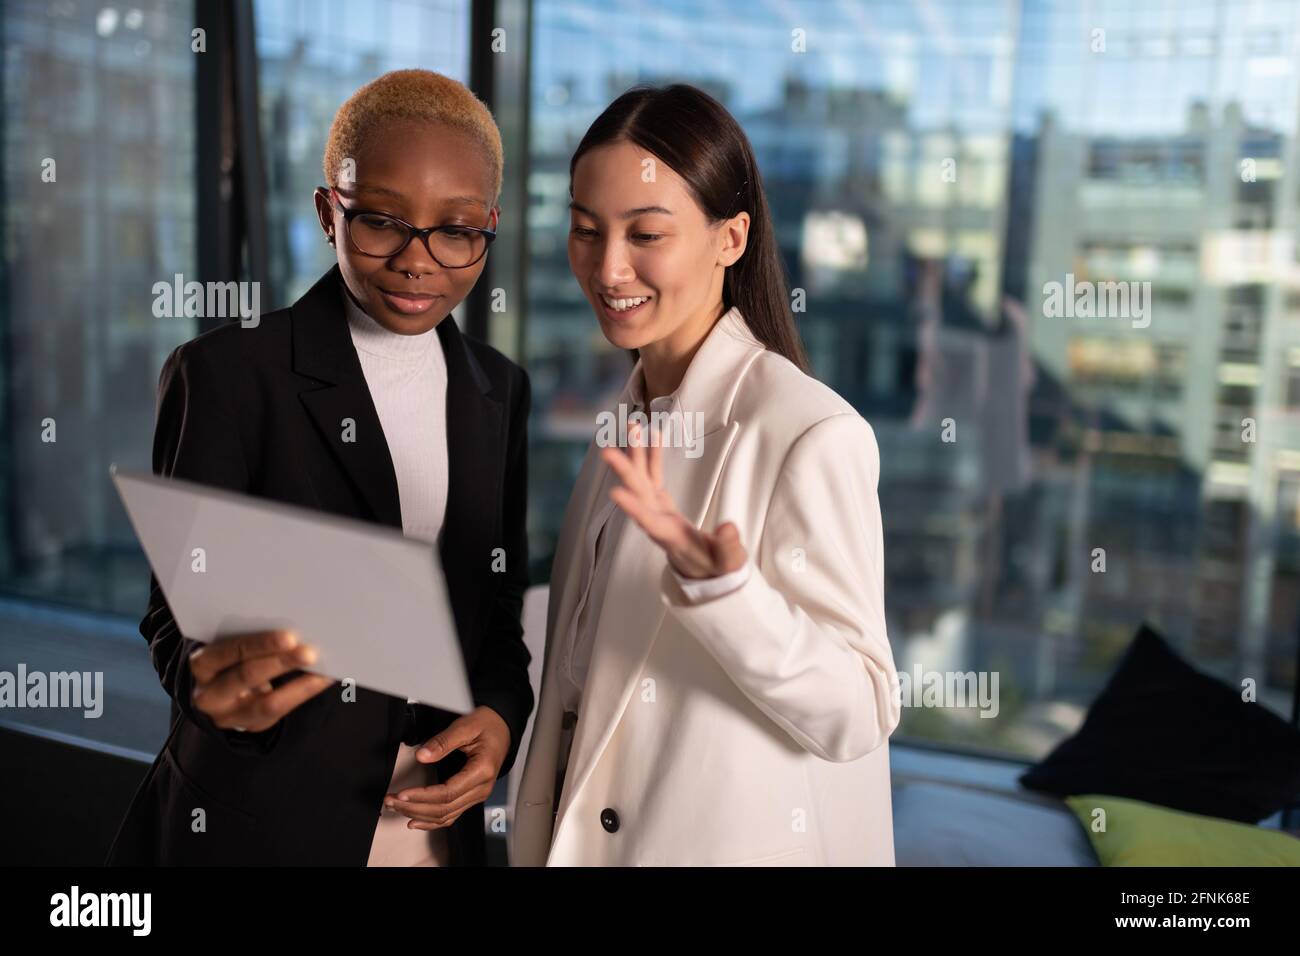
719	687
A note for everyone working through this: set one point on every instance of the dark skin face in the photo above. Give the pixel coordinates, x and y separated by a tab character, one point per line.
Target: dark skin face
428	175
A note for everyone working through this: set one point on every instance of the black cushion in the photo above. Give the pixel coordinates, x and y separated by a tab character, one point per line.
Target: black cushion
1163	732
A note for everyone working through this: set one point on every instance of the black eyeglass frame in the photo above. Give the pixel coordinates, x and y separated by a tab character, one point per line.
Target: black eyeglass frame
350	213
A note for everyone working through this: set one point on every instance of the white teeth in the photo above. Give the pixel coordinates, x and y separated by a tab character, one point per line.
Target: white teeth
622	305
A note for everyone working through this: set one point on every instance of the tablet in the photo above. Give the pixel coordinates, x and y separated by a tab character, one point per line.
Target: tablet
371	601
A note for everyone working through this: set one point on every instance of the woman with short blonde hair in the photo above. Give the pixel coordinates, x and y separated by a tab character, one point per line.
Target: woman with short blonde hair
361	399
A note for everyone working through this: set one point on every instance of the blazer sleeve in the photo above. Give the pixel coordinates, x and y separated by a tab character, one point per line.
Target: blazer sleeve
195	439
804	638
500	676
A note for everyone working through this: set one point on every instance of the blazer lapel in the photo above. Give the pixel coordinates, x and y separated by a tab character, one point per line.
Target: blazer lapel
571	558
323	350
476	466
633	610
530	842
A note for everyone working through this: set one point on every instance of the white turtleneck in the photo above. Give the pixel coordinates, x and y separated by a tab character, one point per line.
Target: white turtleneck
407	377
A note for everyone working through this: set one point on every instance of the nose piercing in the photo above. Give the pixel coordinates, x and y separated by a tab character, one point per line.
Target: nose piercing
420	276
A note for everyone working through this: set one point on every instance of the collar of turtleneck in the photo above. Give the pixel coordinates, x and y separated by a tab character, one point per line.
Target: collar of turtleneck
369	336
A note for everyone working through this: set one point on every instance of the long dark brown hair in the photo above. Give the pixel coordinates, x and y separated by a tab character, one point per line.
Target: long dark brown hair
699	140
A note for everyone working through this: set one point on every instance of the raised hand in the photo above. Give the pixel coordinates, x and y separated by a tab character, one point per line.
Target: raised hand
692	553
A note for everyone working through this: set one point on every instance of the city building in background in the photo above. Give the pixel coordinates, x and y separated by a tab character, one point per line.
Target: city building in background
98	204
311	56
932	168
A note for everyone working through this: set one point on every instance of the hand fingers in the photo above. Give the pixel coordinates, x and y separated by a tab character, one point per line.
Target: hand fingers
461	732
260	712
228	689
669	530
477	772
727	550
656	461
687	548
660	527
442	813
694	558
634	467
636	442
452	813
430	804
210	659
634	478
643	499
642	467
263	688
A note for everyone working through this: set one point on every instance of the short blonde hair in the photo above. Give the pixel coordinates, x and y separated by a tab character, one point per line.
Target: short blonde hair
411	95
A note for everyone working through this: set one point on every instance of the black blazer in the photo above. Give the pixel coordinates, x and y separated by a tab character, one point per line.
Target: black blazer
260	410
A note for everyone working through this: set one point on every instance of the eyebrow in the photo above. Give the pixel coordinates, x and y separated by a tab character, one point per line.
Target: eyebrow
626	213
393	193
467	201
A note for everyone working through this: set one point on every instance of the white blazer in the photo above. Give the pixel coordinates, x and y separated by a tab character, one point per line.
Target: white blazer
751	728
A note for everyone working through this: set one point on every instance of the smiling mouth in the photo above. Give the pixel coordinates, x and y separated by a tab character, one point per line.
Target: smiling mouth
623	304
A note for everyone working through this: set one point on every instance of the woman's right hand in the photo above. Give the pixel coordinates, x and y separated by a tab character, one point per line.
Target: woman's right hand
232	679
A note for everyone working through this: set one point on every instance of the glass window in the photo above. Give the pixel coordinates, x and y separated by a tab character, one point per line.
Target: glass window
1074	432
98	206
313	55
98	203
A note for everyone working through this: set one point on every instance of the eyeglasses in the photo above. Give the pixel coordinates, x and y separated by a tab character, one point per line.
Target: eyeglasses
382	236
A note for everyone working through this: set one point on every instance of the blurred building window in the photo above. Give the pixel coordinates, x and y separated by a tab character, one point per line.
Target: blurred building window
313	55
98	205
1162	161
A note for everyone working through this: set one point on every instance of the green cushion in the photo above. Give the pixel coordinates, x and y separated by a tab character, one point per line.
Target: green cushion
1143	834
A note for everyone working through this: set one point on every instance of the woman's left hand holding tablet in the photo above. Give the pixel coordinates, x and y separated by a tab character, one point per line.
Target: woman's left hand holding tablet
233	675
